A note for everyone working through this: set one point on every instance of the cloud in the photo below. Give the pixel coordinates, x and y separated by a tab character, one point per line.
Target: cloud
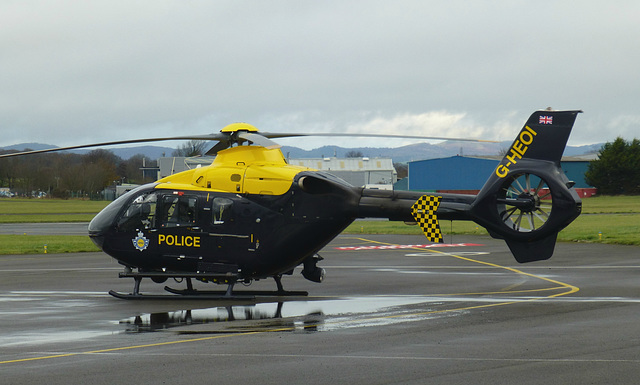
432	123
106	70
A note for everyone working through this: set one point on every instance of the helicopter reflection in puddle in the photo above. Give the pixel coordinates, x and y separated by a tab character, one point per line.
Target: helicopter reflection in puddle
222	316
289	316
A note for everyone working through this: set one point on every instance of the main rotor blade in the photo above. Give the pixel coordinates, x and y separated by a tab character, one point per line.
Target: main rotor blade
259	139
221	145
191	137
292	134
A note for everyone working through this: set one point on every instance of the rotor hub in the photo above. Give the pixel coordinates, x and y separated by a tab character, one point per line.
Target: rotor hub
528	201
235	127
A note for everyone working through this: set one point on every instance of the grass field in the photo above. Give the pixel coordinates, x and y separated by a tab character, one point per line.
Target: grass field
53	244
16	210
621	229
613	220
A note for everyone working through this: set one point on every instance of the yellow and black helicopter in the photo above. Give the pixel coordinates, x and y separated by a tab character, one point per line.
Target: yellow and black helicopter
251	216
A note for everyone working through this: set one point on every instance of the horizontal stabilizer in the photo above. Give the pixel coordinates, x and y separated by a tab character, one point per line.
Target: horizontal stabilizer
424	212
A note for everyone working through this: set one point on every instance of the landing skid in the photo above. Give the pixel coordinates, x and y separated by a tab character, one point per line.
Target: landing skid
131	296
241	294
190	293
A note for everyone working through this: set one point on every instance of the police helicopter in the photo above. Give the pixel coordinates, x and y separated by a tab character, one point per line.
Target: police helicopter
250	216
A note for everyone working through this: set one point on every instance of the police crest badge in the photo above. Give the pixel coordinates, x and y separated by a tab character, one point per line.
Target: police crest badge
140	242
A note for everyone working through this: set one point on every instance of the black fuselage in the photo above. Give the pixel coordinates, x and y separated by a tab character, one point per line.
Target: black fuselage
254	236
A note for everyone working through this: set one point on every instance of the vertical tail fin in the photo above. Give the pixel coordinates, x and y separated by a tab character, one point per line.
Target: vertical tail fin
543	137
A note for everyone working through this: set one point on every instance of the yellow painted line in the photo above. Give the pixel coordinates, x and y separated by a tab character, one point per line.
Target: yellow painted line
38	358
122	348
506	291
561	285
572	289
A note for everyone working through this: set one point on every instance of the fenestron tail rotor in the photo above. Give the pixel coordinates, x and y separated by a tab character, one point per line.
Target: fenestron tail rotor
525	202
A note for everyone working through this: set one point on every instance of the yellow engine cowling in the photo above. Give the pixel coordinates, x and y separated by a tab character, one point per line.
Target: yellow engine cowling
242	170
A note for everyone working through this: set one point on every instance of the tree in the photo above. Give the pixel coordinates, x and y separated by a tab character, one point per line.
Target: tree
58	174
402	169
7	170
191	148
131	169
353	154
617	169
90	173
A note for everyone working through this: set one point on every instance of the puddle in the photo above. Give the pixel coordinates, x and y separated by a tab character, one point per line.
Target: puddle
49	336
315	315
58	318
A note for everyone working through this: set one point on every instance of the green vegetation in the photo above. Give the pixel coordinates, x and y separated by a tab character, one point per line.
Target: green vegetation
623	229
35	244
613	220
604	219
611	205
17	210
617	169
64	175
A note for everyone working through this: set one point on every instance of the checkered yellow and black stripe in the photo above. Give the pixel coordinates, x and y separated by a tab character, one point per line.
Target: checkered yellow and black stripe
424	212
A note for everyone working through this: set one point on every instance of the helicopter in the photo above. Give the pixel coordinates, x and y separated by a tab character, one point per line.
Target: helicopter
251	216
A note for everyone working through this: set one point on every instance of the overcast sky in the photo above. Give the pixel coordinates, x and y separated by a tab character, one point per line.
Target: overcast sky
75	72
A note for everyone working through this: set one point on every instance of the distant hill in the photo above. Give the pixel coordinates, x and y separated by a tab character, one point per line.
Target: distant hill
417	151
582	150
31	146
152	152
399	154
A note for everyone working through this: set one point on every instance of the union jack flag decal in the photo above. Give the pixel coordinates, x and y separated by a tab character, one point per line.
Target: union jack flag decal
545	120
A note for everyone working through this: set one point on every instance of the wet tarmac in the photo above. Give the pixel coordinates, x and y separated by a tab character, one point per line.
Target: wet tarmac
392	309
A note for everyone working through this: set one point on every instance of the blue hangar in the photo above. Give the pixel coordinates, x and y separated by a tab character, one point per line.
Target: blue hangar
468	174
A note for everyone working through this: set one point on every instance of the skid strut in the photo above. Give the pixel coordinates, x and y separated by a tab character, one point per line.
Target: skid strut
191	293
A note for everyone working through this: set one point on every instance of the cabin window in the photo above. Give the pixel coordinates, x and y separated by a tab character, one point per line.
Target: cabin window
140	214
178	210
221	210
